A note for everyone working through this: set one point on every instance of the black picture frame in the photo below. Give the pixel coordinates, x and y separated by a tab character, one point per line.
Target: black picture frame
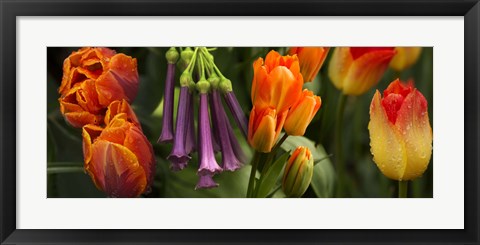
9	10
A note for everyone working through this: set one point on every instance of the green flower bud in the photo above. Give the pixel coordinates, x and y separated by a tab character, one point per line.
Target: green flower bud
185	79
226	85
203	86
298	172
214	81
187	55
172	55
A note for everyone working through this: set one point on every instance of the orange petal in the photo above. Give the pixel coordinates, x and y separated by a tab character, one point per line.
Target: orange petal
414	124
116	170
386	142
302	113
366	71
90	133
118	107
119	82
285	89
136	142
263	137
79	119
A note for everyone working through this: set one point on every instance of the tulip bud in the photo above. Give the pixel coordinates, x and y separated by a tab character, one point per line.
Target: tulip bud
400	132
302	113
118	158
405	57
356	70
311	60
298	172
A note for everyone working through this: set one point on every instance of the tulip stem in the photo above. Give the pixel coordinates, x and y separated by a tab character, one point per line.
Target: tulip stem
338	147
251	182
402	189
270	157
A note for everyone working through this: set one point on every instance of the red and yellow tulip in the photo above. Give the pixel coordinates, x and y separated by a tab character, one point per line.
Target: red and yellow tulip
92	79
302	113
405	57
400	132
355	70
311	60
118	158
277	85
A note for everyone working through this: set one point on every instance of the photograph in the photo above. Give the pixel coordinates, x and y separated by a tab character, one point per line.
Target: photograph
239	122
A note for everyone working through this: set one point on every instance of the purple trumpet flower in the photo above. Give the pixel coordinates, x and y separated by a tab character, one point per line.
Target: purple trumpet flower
229	160
216	137
190	143
208	163
167	127
179	156
234	106
206	182
237	149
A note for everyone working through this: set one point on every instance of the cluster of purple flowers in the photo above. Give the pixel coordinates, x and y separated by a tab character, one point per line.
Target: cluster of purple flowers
215	135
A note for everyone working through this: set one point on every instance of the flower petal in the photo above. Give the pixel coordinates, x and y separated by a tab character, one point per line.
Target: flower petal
414	124
386	142
339	65
366	71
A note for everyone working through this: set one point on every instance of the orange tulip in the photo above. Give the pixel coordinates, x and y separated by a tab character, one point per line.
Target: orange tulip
356	70
405	57
400	132
311	60
118	158
264	127
302	113
277	85
92	79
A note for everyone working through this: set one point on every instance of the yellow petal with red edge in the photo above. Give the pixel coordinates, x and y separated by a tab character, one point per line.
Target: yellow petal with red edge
405	57
339	65
414	124
386	142
366	71
302	113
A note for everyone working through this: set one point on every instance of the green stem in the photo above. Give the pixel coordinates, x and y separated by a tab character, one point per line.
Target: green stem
64	169
402	189
253	172
338	147
274	151
269	160
191	65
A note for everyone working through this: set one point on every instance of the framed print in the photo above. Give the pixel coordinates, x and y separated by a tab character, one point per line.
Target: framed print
227	122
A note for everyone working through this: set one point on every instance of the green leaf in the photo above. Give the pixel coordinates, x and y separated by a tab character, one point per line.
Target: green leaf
323	179
270	178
